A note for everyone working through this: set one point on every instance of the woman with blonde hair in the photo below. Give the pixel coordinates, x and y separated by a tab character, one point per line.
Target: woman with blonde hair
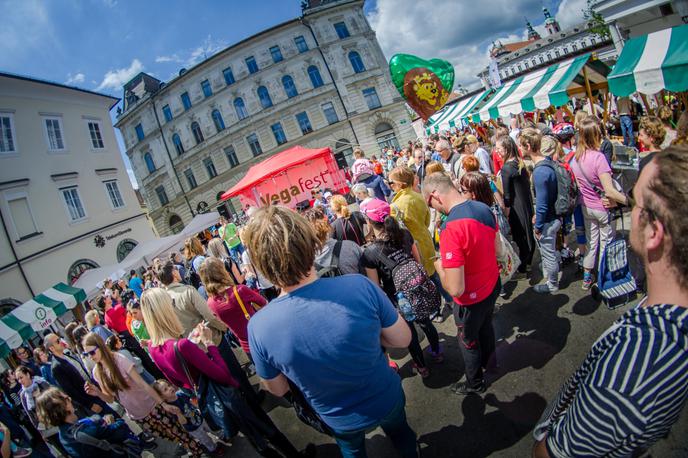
118	379
666	115
194	252
234	304
217	250
348	225
184	362
597	191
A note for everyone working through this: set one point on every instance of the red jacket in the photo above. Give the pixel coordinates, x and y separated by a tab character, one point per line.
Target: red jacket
116	318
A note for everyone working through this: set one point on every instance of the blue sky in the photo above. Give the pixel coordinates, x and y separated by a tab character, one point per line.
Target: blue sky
101	44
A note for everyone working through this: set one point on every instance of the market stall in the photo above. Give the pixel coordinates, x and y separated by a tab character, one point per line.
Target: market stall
452	115
541	89
36	315
287	178
651	63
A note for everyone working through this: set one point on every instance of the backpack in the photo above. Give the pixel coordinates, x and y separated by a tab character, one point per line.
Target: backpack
411	279
332	270
131	447
567	188
192	277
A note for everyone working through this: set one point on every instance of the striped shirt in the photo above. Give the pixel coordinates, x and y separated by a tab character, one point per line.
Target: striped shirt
628	392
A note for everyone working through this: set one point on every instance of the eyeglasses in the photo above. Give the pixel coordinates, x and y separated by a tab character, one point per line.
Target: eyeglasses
89	353
633	204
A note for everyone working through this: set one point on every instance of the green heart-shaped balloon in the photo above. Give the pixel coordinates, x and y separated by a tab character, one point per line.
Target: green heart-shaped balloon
425	84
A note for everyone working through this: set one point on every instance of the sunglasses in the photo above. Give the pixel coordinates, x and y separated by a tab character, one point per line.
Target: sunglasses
89	353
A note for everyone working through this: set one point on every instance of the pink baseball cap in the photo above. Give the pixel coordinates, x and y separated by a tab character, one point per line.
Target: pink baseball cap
375	209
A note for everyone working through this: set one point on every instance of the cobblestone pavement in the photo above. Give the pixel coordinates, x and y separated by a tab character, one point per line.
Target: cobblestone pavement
541	341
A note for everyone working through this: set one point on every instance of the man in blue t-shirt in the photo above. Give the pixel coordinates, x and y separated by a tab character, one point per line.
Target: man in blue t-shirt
326	336
546	224
135	283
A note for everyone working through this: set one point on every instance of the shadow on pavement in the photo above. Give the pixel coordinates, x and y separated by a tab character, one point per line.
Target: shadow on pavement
586	306
481	432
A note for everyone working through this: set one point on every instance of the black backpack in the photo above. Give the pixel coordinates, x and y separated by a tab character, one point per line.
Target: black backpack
331	270
192	277
567	187
411	279
130	448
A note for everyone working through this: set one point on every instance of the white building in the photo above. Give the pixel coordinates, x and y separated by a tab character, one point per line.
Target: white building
519	58
65	198
318	80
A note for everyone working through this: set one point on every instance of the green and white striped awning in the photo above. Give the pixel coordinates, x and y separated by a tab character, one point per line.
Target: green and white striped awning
540	89
651	63
37	314
450	116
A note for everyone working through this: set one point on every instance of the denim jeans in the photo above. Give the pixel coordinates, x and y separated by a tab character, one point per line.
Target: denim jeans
549	254
236	252
394	424
435	278
627	130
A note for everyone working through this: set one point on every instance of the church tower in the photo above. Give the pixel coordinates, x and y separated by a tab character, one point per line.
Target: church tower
532	33
551	24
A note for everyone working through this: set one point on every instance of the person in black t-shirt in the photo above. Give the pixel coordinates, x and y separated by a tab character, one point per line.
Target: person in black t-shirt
348	225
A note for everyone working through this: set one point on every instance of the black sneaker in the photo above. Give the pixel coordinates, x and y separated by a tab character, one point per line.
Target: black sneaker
462	388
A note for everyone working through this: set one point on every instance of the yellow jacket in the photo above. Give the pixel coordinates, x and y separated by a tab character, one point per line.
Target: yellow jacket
409	207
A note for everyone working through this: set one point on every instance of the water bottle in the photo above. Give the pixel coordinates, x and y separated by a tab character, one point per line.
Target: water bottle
405	307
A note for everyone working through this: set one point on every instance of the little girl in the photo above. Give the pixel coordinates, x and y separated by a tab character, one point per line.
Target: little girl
190	416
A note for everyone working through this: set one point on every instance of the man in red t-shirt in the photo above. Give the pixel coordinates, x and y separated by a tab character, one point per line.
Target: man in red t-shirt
468	269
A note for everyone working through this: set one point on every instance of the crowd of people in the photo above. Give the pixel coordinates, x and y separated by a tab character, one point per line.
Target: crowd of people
312	300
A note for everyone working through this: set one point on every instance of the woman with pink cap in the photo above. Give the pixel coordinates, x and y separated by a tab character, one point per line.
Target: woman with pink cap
392	243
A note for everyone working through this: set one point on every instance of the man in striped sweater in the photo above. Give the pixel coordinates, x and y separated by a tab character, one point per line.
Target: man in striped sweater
633	384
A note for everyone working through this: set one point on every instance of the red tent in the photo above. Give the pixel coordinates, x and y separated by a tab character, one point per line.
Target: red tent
277	166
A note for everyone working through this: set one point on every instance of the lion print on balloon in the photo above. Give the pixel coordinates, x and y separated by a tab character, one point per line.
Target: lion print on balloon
425	91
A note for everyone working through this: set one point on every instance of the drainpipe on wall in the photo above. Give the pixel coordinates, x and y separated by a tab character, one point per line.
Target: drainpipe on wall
169	156
329	72
14	255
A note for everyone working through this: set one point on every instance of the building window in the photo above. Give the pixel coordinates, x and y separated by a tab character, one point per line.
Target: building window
276	54
356	62
304	123
574	46
264	96
385	137
520	69
176	224
229	76
549	56
124	248
231	156
178	144
342	31
278	132
330	113
186	101
526	64
251	64
139	132
150	164
72	200
162	195
207	90
218	121
314	74
78	268
371	98
7	143
289	86
254	144
301	44
53	127
592	41
167	113
197	133
240	108
557	53
113	193
190	178
566	50
534	63
96	137
542	60
22	217
210	167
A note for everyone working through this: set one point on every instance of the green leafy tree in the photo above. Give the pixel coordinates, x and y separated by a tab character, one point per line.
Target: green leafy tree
596	22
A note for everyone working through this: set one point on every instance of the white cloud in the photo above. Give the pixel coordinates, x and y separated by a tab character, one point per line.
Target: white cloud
75	79
26	28
570	13
459	31
191	57
163	59
115	79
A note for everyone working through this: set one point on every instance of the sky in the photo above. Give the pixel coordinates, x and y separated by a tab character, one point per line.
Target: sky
101	44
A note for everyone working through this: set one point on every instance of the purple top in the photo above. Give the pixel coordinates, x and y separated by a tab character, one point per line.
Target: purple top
593	164
198	362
